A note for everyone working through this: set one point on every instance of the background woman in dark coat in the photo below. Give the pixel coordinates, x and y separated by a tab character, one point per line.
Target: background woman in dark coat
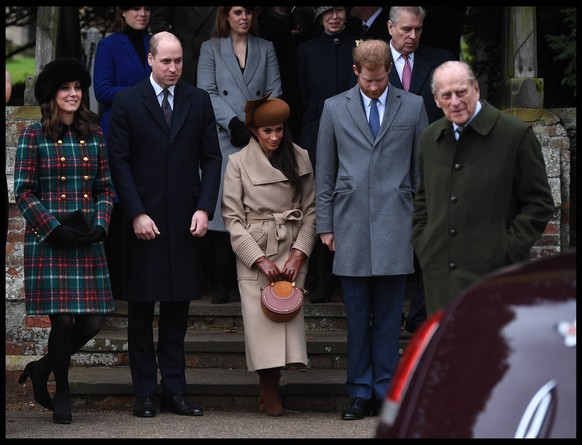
324	66
120	62
61	166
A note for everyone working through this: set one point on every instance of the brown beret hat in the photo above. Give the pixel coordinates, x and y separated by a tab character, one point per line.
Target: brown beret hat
266	111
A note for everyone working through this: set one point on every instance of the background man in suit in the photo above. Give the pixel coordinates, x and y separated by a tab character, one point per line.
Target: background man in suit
484	187
406	26
364	195
192	25
370	22
166	206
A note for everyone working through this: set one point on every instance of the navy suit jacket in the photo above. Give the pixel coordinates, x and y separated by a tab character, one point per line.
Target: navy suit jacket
426	59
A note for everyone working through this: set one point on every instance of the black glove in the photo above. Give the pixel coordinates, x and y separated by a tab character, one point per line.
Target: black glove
240	135
95	235
64	236
269	268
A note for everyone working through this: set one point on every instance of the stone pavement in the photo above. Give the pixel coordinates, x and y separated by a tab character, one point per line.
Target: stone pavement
36	423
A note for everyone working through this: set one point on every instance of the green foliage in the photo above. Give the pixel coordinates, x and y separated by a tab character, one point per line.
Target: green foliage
20	68
565	47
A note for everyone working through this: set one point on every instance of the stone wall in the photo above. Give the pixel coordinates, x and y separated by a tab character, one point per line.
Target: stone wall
27	335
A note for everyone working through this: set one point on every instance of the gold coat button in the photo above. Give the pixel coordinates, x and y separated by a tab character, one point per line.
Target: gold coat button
86	196
59	141
82	141
86	178
63	196
63	178
63	159
86	159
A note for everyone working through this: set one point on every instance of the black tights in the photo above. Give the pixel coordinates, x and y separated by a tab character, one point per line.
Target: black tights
69	333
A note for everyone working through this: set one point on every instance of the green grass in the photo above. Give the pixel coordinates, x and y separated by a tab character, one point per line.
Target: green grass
20	68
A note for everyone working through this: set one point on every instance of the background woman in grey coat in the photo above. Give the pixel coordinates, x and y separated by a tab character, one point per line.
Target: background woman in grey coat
234	66
268	207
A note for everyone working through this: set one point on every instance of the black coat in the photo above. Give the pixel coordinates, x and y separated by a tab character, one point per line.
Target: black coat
168	175
324	67
426	59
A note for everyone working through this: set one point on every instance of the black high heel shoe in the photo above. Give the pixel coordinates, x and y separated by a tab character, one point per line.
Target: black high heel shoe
39	387
62	412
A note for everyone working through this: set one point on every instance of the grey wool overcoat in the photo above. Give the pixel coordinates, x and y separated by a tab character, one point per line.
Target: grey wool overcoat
365	187
230	88
266	215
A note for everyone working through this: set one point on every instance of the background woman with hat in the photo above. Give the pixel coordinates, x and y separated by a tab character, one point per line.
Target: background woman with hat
324	66
60	167
269	210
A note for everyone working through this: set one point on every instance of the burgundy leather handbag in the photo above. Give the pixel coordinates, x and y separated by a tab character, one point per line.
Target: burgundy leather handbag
281	300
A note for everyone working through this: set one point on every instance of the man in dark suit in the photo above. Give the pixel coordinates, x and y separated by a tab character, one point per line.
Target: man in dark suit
405	26
365	177
167	174
192	25
371	22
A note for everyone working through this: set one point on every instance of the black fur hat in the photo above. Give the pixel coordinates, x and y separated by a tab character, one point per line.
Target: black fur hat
56	73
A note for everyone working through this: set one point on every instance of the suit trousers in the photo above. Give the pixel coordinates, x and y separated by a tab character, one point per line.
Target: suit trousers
374	314
173	322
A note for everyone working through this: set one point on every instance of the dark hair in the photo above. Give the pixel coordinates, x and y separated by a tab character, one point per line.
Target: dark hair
221	27
285	159
120	25
85	121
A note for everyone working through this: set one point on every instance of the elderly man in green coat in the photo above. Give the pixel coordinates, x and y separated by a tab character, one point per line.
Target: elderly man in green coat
483	198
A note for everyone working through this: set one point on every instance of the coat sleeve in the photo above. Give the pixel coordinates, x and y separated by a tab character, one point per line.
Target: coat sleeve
533	195
326	171
306	236
233	213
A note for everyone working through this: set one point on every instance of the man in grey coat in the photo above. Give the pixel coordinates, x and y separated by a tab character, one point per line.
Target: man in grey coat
483	198
365	187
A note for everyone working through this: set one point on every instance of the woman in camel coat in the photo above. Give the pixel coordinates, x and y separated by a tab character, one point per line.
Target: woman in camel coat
268	206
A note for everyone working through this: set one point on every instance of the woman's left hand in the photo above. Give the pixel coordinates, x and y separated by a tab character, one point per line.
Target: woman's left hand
292	265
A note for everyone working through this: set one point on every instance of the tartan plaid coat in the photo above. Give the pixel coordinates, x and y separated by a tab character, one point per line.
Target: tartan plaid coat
52	179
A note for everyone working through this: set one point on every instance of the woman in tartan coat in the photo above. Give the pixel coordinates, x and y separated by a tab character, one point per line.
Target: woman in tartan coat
61	166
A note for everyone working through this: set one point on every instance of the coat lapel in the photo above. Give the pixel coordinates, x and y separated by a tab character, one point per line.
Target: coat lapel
232	65
257	165
356	110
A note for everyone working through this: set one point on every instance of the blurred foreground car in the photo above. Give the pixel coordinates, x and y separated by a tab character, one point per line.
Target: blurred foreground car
499	362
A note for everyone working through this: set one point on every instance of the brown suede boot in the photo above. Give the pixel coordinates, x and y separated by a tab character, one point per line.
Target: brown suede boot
269	382
261	394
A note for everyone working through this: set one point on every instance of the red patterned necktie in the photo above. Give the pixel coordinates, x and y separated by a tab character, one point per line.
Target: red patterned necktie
406	74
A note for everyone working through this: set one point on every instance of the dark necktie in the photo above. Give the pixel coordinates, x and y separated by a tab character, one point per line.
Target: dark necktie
374	118
167	109
364	30
458	132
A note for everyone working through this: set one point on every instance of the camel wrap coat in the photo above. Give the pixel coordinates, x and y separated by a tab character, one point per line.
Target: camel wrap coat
266	216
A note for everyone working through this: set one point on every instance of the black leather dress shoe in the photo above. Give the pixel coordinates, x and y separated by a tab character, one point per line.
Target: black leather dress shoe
357	409
144	407
180	405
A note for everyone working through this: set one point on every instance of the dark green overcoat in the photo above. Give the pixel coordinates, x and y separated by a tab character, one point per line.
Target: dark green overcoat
482	202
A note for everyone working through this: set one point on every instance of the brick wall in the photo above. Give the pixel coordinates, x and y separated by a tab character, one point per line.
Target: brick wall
27	335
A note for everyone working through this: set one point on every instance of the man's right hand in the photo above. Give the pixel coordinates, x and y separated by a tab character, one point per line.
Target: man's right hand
144	227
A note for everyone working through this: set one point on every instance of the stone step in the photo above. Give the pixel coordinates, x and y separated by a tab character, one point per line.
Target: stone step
217	349
215	388
207	316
